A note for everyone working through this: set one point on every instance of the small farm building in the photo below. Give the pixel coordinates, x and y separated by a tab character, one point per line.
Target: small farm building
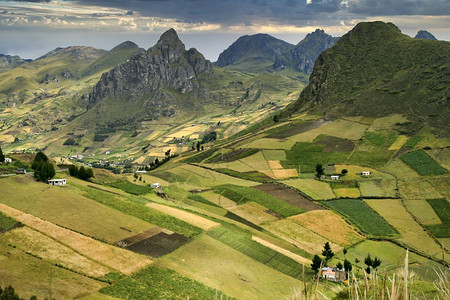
141	171
57	181
334	177
365	173
155	185
8	160
333	274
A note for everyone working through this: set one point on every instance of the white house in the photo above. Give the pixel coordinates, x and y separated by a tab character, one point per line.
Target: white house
141	171
7	160
155	185
57	181
365	173
334	177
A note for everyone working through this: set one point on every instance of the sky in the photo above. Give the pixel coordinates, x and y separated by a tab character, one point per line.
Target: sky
32	28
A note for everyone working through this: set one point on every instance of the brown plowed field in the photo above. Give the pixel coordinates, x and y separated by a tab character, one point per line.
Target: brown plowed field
288	195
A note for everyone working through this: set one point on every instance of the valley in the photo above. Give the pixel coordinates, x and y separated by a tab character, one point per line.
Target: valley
258	174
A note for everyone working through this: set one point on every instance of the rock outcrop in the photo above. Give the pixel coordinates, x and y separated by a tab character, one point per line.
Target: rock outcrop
305	53
9	62
151	77
425	35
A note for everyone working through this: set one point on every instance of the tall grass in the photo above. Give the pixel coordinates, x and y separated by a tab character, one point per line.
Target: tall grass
399	286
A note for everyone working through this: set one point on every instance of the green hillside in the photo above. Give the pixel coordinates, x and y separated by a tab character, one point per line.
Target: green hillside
375	70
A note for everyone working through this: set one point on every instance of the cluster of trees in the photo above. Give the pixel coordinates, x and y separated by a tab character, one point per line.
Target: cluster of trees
371	263
10	294
198	146
81	172
43	168
155	164
328	254
2	156
320	171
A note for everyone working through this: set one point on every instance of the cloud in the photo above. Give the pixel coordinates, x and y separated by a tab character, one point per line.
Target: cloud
399	7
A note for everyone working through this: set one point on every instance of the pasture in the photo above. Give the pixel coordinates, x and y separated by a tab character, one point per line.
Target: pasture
361	215
317	190
423	211
66	207
329	225
417	189
347	193
156	282
253	212
442	209
412	234
378	188
232	272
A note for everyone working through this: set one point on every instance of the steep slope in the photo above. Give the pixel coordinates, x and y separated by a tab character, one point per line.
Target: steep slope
375	70
9	62
305	53
253	53
153	79
425	35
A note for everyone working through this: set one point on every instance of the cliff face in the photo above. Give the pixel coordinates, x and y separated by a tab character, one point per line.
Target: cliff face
165	65
9	62
305	53
375	70
258	45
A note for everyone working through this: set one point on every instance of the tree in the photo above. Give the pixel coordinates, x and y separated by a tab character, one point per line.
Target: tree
344	251
347	265
44	171
82	173
276	118
368	260
344	171
376	263
89	173
339	265
40	157
73	170
2	156
327	252
198	146
356	260
316	263
319	170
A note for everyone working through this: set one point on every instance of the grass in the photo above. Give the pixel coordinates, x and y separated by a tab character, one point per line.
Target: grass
199	157
131	188
422	163
156	282
219	266
417	189
144	213
378	188
308	155
6	223
347	193
442	209
423	211
412	234
329	225
241	194
257	251
318	190
361	215
66	206
33	276
242	220
253	212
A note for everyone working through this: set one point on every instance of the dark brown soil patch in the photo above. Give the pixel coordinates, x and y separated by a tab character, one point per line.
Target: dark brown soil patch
159	244
293	129
139	237
333	144
288	195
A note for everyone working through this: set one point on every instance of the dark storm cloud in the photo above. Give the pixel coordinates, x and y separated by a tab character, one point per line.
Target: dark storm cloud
399	7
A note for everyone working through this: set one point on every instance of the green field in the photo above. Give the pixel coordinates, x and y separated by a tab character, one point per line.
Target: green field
442	209
241	195
156	282
257	251
6	223
131	188
378	188
361	215
318	190
143	212
308	155
422	163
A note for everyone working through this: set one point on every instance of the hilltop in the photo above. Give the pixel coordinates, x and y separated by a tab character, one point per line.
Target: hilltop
425	35
375	70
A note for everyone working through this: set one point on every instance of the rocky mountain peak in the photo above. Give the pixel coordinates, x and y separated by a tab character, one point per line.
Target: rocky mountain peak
425	35
147	75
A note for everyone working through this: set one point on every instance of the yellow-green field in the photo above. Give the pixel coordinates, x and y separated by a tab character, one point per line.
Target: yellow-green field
228	270
417	189
423	211
318	190
413	235
347	193
328	225
399	142
378	188
73	210
253	212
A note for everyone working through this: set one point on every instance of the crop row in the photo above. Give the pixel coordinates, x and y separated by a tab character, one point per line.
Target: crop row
241	195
